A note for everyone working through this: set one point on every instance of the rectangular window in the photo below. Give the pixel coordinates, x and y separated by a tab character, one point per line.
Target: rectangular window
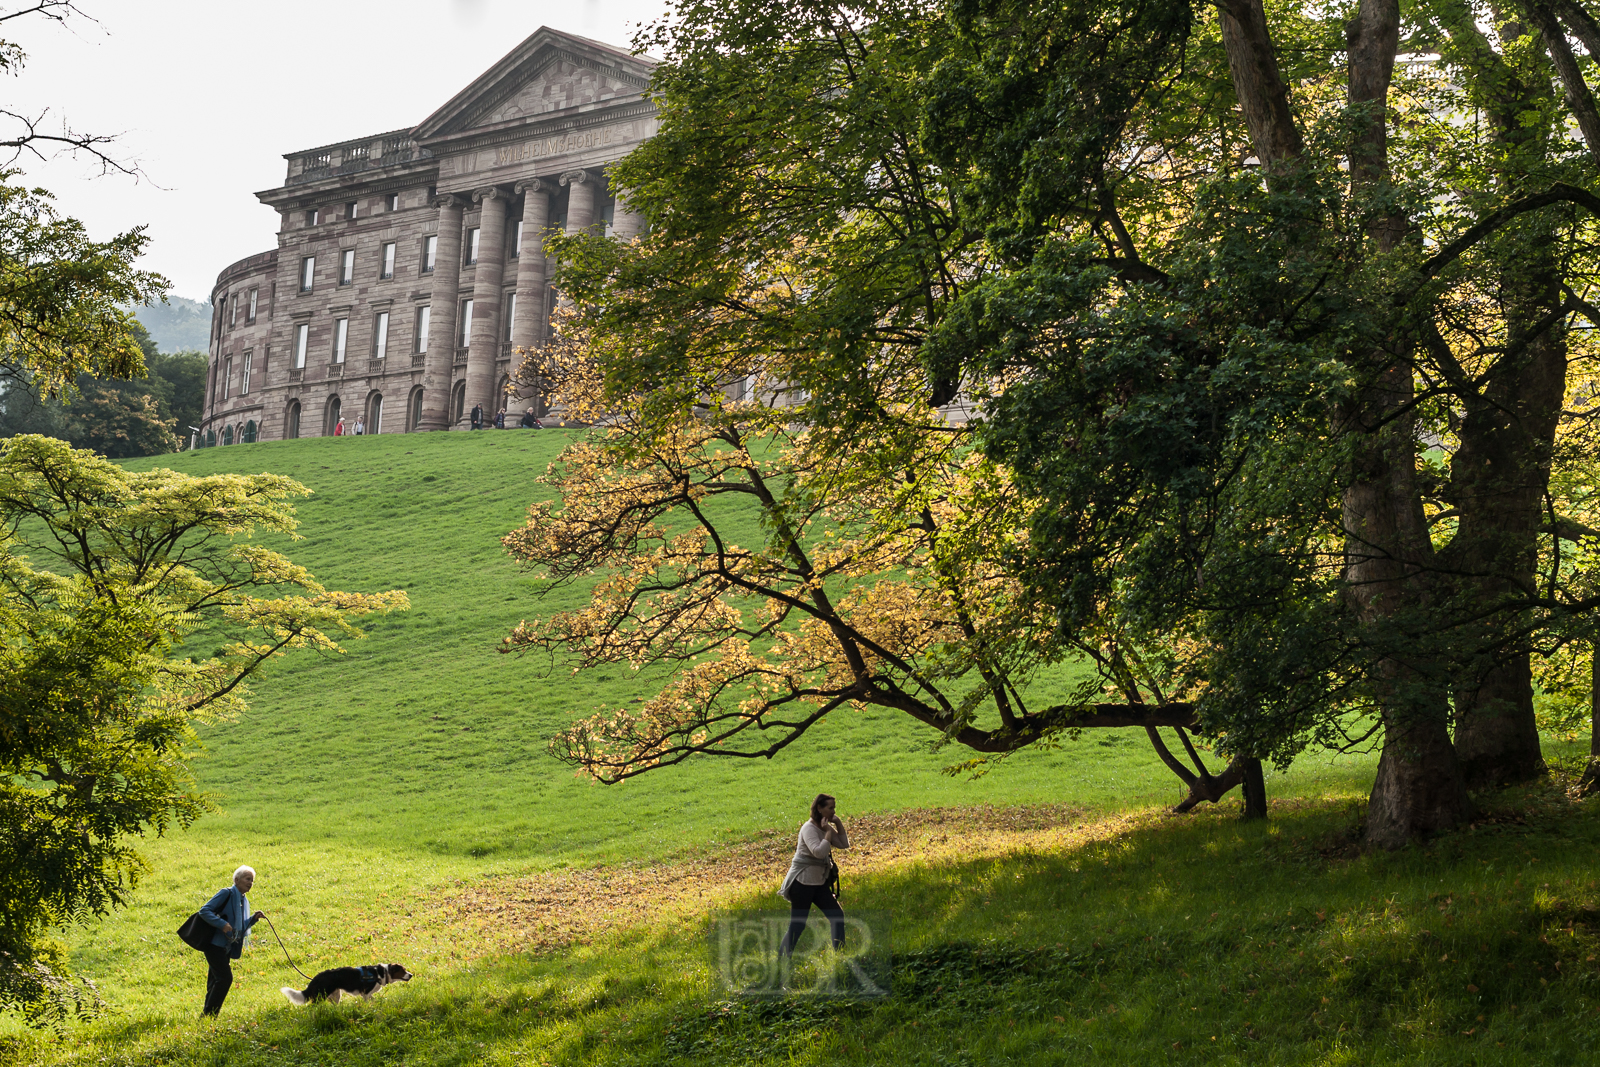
393	202
308	269
511	313
350	210
380	336
472	246
386	265
313	217
466	323
347	266
516	239
341	334
244	375
430	250
233	315
423	318
227	375
302	332
252	315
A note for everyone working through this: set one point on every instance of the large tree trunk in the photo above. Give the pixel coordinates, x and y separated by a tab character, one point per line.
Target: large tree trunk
1419	789
1501	469
1388	565
1498	479
1388	550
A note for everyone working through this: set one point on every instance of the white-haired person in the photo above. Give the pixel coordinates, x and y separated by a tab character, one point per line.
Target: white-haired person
229	912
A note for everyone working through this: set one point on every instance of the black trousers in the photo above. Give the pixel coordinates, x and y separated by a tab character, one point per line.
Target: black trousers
801	899
219	978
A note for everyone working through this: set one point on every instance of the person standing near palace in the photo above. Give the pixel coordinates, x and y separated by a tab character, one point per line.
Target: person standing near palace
477	416
229	913
361	427
338	427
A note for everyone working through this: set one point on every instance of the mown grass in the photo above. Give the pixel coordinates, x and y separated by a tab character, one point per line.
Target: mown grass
361	784
1176	940
368	787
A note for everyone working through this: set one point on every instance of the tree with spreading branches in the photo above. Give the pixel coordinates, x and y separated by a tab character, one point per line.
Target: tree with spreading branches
1263	336
111	583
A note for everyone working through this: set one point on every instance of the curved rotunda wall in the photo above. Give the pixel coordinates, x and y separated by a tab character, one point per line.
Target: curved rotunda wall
240	349
410	265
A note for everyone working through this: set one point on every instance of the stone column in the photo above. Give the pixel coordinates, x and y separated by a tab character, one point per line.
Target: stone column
626	224
528	329
437	367
580	200
484	344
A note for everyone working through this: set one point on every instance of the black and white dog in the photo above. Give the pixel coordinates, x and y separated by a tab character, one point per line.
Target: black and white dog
348	981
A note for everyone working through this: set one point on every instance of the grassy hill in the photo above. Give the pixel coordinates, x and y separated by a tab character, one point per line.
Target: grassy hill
382	792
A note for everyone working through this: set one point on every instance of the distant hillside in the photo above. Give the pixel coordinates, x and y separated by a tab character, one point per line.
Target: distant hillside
178	325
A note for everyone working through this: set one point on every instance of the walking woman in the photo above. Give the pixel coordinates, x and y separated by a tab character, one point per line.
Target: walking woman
809	874
229	912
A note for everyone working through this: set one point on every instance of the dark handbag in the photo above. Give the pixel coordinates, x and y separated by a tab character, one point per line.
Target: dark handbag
832	884
196	933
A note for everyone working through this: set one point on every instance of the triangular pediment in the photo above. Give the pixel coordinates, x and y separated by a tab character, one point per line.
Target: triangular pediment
550	71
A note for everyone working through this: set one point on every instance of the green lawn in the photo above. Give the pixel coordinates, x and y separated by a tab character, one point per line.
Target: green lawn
364	786
1186	941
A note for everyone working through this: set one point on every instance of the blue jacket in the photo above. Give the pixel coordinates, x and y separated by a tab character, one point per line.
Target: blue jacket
228	907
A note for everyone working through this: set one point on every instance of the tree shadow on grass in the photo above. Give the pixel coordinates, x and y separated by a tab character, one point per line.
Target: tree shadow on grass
1195	940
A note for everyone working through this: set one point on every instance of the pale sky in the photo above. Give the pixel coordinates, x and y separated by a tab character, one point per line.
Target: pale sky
207	96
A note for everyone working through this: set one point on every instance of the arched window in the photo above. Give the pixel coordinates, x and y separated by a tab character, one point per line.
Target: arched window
227	435
211	438
458	401
330	416
414	410
375	413
250	431
291	421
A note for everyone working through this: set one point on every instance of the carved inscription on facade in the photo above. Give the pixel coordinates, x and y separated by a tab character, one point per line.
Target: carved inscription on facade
561	144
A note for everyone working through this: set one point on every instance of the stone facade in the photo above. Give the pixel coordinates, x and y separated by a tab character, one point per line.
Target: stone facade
387	241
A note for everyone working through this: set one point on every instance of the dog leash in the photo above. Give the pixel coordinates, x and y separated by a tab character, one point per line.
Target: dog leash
281	945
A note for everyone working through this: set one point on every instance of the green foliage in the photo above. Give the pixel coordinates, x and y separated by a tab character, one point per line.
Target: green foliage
146	416
791	204
178	381
118	423
62	295
1205	319
104	574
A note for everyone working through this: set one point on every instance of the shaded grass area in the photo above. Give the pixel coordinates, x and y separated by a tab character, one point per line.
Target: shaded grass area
1194	940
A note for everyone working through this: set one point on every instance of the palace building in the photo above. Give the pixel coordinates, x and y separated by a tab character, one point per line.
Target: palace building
410	264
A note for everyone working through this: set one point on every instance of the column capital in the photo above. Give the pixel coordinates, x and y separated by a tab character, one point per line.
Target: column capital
576	176
535	185
444	200
488	192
